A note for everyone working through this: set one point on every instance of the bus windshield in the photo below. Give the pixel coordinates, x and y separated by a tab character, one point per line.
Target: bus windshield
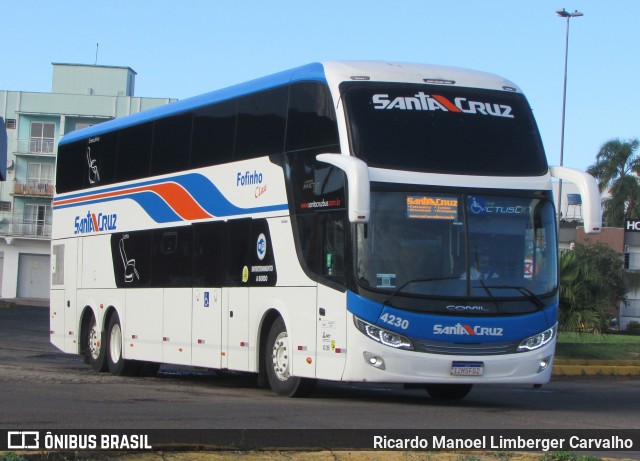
446	245
440	129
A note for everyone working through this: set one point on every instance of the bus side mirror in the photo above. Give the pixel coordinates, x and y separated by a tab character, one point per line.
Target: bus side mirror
358	192
588	188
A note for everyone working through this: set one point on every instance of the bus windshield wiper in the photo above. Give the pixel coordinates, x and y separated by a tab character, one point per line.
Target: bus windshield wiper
530	295
409	282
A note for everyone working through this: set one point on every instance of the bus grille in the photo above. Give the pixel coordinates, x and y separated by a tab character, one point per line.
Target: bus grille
434	347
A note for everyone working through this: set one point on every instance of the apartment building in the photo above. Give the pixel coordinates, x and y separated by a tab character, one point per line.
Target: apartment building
81	95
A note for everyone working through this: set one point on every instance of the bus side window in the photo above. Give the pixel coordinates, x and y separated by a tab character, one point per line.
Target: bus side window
171	260
208	254
239	245
71	169
100	168
334	250
323	244
171	141
131	253
214	131
134	152
311	118
261	124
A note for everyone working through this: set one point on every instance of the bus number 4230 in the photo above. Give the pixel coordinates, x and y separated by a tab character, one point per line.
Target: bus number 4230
395	321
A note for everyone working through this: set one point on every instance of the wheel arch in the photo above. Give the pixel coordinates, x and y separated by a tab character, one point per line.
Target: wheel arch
85	321
268	319
85	318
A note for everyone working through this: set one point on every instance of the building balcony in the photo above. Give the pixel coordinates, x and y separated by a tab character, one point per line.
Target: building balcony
15	225
36	146
33	188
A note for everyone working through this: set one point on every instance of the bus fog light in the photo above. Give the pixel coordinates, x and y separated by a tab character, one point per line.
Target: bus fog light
544	364
374	360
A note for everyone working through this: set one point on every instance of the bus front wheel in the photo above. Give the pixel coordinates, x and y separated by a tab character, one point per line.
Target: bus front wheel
448	391
278	361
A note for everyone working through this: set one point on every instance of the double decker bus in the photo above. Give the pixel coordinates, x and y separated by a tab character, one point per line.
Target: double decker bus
327	222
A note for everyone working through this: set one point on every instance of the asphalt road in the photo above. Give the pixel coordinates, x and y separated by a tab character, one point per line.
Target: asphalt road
44	388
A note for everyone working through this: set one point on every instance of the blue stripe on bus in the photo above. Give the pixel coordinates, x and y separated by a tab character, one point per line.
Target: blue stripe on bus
449	328
310	72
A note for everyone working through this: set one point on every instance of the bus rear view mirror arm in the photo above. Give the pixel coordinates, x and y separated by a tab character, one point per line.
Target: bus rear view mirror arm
588	188
358	192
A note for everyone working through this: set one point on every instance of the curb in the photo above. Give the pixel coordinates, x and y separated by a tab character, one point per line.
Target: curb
32	302
566	367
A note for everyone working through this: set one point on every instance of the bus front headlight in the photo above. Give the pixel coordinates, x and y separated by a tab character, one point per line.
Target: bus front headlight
537	341
386	337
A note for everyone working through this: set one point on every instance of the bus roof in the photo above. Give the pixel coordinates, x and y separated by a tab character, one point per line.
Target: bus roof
332	72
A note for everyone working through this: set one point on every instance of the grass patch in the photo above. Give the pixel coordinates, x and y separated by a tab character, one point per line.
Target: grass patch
594	338
587	346
568	456
11	456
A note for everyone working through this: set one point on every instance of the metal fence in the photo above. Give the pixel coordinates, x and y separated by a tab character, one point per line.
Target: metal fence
15	225
629	312
36	146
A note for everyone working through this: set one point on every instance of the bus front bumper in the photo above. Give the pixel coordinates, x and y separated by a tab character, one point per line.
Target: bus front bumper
370	361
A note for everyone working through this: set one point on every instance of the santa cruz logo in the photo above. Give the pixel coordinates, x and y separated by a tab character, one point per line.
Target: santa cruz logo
95	223
466	330
433	102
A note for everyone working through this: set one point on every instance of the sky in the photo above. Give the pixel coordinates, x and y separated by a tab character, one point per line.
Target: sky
181	49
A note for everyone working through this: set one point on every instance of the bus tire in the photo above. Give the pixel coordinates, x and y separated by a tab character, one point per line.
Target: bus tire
448	391
118	366
95	349
278	361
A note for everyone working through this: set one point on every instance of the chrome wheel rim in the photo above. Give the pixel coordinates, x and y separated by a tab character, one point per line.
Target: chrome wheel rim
115	343
280	356
94	341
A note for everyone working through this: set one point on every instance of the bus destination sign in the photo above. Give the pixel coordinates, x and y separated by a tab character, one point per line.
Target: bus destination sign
432	207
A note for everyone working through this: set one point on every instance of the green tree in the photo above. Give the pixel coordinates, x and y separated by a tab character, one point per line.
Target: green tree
591	286
616	168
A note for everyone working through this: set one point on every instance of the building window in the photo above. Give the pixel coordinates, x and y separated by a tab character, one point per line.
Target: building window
42	138
37	219
40	173
632	261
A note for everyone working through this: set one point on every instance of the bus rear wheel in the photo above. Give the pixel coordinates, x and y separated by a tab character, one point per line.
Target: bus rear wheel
278	361
448	391
118	366
94	351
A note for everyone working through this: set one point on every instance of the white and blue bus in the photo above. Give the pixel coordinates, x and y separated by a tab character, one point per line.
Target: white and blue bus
329	222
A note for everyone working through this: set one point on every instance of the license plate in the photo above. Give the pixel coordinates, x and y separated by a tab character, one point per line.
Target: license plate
467	368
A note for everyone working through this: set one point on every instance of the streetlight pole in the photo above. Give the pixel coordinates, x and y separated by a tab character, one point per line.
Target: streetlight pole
564	14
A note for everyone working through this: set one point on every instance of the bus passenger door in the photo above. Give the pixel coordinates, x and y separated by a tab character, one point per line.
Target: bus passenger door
208	272
331	328
331	334
235	298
